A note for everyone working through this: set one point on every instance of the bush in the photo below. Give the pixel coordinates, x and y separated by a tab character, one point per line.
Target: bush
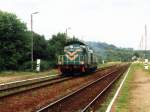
2	67
44	65
26	66
15	42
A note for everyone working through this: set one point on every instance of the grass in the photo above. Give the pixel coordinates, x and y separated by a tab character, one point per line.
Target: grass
16	73
110	94
123	101
147	71
50	72
107	64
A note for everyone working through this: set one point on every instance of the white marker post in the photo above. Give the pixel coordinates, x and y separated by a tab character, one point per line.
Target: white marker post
146	64
38	65
103	61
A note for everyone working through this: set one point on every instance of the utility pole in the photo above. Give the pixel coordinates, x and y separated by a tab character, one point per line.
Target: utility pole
32	39
145	40
146	60
67	31
141	43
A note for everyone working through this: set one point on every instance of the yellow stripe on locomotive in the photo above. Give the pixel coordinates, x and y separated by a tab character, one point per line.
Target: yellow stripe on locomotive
77	58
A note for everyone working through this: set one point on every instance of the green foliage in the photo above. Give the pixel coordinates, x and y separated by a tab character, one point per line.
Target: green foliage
110	52
123	101
119	55
26	66
40	47
14	42
143	54
136	54
55	47
74	40
45	65
15	47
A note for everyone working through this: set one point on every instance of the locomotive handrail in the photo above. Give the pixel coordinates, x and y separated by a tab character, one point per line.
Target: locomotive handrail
61	59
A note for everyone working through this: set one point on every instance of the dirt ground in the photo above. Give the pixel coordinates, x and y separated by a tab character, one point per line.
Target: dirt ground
16	76
140	100
140	93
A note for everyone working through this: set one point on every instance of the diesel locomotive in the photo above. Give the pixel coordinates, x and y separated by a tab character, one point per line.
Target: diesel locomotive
78	57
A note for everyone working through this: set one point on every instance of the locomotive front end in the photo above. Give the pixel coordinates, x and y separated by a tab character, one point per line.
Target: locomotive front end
73	59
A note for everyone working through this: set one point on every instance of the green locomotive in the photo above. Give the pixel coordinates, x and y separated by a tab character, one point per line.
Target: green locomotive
77	58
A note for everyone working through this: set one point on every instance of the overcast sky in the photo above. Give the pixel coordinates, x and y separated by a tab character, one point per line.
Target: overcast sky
118	22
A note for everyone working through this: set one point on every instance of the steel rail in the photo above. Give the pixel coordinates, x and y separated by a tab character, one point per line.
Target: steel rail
7	89
22	88
44	109
85	109
14	84
18	83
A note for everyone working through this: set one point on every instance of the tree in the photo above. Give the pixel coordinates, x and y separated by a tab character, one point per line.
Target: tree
55	46
136	54
14	42
40	47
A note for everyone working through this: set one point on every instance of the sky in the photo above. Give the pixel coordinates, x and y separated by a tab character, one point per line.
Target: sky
118	22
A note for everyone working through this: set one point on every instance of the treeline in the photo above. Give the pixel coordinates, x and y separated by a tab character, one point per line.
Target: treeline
15	45
109	52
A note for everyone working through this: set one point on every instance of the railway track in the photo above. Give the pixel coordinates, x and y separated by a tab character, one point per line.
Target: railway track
83	98
7	89
15	87
90	105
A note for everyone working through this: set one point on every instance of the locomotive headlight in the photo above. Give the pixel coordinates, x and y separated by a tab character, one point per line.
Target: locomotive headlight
59	62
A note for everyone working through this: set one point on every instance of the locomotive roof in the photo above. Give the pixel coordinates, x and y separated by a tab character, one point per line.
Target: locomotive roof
75	42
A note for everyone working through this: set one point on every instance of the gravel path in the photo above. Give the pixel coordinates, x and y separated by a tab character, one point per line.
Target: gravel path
140	93
140	100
